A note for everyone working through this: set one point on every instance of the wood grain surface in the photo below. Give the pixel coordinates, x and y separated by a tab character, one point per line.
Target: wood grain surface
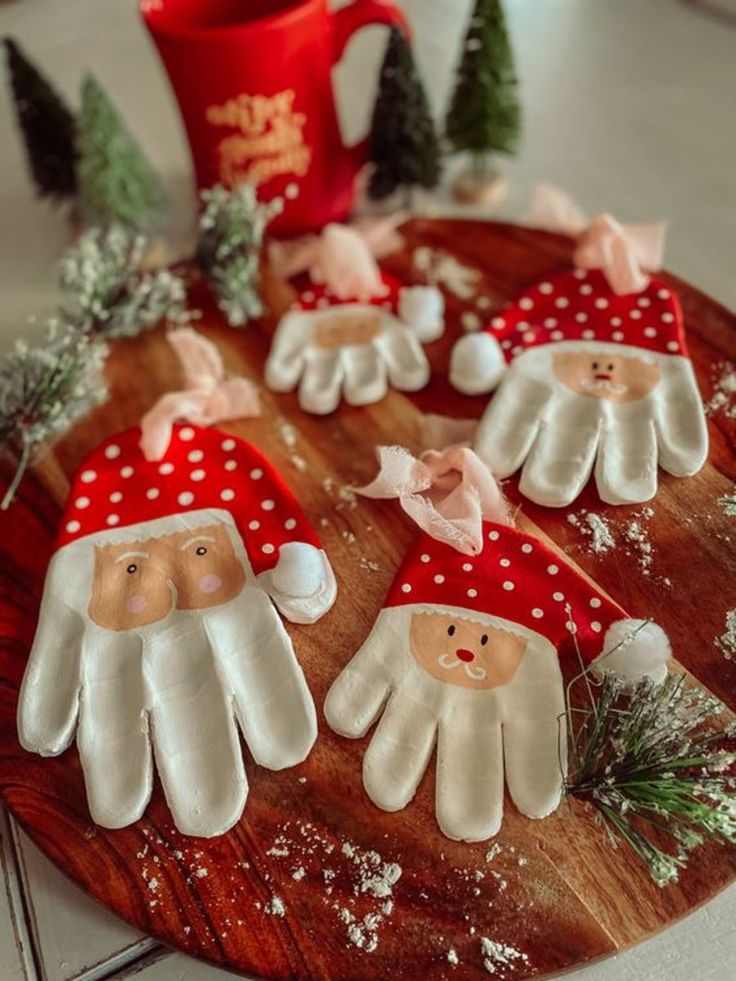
553	890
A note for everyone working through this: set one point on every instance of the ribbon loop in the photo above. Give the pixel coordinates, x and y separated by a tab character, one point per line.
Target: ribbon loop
447	493
625	253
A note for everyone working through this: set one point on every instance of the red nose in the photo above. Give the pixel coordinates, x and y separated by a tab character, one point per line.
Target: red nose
602	377
464	655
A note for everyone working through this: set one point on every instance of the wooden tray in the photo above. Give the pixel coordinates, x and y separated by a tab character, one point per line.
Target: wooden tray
553	891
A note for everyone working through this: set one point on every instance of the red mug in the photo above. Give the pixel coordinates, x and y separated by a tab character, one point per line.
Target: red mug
253	82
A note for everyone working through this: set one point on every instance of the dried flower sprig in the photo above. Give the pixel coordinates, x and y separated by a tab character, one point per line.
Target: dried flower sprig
231	231
112	295
44	389
654	764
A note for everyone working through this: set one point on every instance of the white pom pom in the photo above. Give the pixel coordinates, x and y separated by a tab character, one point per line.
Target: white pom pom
423	309
476	364
299	571
637	649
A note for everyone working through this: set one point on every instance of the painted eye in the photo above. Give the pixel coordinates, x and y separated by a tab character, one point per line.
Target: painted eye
132	568
595	366
451	629
201	550
610	367
484	640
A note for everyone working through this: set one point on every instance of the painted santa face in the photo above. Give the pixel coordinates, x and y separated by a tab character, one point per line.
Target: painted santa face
464	652
138	583
606	376
347	330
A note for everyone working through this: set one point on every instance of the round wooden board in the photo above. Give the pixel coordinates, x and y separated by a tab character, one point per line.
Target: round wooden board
554	890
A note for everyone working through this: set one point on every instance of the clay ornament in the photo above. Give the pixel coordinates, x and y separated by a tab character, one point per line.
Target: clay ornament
158	633
589	382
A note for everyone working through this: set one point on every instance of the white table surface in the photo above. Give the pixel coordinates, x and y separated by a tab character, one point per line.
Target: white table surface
628	104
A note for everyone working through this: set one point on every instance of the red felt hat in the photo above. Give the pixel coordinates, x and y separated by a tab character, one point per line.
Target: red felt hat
515	579
580	305
116	487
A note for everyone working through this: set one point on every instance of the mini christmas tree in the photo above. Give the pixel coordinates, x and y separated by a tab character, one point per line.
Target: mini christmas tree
403	144
46	125
117	185
484	115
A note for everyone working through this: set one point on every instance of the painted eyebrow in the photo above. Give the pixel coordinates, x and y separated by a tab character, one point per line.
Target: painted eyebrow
127	555
197	538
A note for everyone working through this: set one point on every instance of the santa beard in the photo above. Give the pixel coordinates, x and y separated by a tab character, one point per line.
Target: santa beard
558	434
478	733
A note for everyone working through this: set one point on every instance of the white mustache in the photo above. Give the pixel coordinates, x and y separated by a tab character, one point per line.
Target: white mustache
600	384
474	671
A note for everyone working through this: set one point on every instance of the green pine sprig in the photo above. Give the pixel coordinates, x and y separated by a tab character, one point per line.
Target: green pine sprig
44	390
112	296
655	765
232	226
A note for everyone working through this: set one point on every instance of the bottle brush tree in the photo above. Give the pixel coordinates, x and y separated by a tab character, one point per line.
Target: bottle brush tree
484	116
46	124
403	143
117	184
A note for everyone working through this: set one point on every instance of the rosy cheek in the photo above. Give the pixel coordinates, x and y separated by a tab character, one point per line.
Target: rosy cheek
136	604
210	583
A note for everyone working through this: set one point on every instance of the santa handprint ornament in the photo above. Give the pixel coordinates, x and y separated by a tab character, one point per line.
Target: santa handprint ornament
589	381
157	634
465	655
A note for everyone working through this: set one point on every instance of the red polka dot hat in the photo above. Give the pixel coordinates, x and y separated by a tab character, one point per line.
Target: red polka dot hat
518	579
116	487
579	305
320	297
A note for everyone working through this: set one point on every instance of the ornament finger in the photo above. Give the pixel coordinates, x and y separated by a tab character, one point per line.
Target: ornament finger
561	459
195	738
535	756
319	390
408	368
534	742
510	424
285	361
47	707
626	466
399	752
113	738
682	433
469	795
359	692
257	665
365	375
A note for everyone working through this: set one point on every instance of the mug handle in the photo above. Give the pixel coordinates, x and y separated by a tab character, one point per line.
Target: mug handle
345	22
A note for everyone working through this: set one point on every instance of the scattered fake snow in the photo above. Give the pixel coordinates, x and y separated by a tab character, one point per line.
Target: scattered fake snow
497	956
728	505
604	534
724	390
726	643
444	269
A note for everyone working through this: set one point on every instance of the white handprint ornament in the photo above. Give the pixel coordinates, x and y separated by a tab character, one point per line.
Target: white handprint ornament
464	656
588	382
330	348
157	634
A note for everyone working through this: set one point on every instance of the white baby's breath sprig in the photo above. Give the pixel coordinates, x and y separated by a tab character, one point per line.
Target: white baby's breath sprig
232	226
112	295
44	390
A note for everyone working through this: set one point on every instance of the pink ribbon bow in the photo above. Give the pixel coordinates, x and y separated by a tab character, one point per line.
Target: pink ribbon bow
448	494
343	257
624	252
209	396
